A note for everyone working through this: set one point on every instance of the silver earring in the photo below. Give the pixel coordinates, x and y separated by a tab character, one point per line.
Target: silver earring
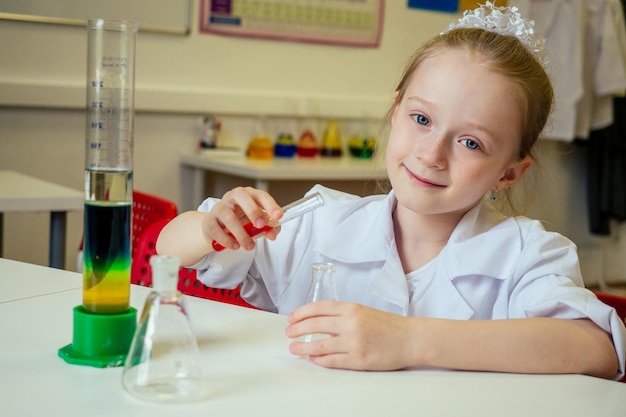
494	195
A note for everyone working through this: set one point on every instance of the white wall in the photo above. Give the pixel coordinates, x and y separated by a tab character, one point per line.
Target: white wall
42	94
200	72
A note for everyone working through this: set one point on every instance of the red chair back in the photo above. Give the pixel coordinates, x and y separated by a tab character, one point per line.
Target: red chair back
147	209
141	272
615	301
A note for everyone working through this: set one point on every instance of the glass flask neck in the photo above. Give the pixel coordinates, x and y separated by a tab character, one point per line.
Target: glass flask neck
322	283
164	273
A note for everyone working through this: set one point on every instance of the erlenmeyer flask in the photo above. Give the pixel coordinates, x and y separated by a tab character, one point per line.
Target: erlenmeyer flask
322	288
163	363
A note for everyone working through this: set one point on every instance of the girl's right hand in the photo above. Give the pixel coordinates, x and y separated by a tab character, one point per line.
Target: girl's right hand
237	207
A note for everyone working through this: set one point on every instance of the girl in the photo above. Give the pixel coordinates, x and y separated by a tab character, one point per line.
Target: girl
429	274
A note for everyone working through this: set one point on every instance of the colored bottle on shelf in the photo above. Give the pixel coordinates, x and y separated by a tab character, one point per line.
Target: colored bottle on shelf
307	145
261	147
331	144
285	146
362	147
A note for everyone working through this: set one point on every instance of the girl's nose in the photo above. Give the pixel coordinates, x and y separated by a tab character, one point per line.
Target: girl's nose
432	151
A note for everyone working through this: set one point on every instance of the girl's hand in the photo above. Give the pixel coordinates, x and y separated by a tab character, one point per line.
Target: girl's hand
361	338
239	206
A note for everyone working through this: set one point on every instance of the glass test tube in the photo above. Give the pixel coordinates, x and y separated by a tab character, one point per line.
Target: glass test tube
290	211
109	165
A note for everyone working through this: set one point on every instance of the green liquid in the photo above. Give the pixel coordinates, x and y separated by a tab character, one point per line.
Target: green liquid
107	244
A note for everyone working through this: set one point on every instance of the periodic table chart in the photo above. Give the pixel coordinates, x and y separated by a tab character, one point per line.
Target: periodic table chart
340	22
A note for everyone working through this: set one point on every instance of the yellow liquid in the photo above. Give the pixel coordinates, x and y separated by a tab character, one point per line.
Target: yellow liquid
110	296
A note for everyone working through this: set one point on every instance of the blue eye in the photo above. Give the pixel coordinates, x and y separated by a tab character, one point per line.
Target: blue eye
420	119
470	144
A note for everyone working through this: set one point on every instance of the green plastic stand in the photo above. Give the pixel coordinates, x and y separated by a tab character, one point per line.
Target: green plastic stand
100	340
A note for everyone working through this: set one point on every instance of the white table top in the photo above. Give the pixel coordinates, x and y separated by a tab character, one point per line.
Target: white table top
249	372
20	192
19	280
318	168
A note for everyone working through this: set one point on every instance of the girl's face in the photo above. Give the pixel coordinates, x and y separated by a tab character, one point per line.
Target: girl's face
454	136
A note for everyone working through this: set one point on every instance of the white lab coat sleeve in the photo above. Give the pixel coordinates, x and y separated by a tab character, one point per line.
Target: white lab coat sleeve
549	284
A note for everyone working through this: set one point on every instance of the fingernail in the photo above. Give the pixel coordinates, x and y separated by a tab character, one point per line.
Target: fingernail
259	222
250	246
235	246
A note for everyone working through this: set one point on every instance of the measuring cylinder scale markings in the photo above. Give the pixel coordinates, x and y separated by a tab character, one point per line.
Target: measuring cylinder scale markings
109	166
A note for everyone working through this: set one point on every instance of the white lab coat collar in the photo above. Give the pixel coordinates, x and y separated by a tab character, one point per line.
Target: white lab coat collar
485	242
478	244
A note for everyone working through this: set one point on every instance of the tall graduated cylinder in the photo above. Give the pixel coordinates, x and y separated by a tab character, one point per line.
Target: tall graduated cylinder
109	165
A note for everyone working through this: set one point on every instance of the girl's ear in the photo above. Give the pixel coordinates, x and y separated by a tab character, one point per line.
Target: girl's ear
514	172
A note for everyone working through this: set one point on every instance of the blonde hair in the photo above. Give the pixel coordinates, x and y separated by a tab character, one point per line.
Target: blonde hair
504	55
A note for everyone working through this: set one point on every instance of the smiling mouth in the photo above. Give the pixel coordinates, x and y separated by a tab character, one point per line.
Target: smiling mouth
422	181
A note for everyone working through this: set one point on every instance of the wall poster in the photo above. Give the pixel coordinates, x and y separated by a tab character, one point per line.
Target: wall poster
340	22
450	6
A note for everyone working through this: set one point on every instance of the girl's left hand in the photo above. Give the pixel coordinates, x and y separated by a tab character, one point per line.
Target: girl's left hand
361	338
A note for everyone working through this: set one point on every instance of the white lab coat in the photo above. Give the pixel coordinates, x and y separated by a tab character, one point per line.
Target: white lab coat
493	267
